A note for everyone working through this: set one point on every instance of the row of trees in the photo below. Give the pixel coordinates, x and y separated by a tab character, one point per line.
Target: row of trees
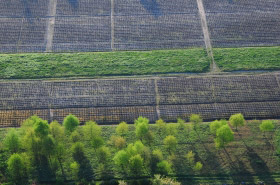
61	153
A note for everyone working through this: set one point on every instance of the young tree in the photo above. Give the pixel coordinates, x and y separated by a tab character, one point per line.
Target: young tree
70	123
215	125
12	141
224	136
91	130
142	129
198	166
170	143
57	131
164	167
118	142
136	165
195	119
17	170
156	157
122	129
237	120
161	126
266	126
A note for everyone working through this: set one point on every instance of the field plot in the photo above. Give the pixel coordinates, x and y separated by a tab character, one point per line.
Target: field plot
243	23
109	101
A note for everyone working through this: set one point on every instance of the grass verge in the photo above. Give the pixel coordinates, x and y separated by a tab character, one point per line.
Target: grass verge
255	58
40	65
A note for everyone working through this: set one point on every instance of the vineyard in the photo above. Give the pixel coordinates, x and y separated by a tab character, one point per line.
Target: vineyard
110	101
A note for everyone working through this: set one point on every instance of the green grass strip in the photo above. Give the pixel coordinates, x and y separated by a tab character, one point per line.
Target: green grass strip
41	65
255	58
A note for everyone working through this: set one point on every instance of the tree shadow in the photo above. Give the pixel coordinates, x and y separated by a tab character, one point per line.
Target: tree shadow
243	176
259	166
152	7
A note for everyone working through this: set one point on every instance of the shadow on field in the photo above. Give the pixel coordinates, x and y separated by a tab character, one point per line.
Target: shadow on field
259	166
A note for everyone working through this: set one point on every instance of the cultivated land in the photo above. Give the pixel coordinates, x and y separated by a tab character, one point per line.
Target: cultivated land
250	158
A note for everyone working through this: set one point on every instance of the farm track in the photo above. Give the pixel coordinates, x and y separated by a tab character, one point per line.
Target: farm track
111	100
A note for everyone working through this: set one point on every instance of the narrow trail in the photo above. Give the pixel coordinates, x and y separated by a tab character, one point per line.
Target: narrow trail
112	26
50	25
208	45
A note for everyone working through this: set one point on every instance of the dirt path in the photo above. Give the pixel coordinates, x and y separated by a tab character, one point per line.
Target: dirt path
214	67
50	25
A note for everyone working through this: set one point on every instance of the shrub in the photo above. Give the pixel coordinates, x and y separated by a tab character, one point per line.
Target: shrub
70	123
170	143
122	129
237	120
12	141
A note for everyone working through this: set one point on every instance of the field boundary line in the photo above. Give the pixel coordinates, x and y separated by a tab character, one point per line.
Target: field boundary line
112	26
50	25
157	96
207	41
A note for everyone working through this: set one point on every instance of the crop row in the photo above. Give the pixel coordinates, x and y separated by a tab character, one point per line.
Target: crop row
138	92
113	115
109	115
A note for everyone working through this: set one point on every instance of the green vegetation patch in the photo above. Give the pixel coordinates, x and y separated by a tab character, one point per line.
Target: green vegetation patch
22	66
255	58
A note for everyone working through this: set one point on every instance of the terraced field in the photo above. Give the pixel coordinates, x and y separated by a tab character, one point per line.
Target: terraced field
110	101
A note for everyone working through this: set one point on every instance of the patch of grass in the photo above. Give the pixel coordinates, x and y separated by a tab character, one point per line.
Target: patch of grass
255	58
22	66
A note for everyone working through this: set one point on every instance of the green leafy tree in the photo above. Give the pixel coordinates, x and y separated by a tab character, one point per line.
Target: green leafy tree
237	120
85	170
142	130
97	142
121	159
195	119
266	126
181	124
215	125
161	126
75	136
103	154
224	136
75	170
57	131
171	129
198	166
118	142
122	129
41	128
170	143
136	165
190	157
12	141
70	123
164	167
17	170
156	157
91	130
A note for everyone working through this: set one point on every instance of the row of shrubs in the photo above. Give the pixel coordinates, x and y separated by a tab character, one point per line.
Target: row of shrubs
64	154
